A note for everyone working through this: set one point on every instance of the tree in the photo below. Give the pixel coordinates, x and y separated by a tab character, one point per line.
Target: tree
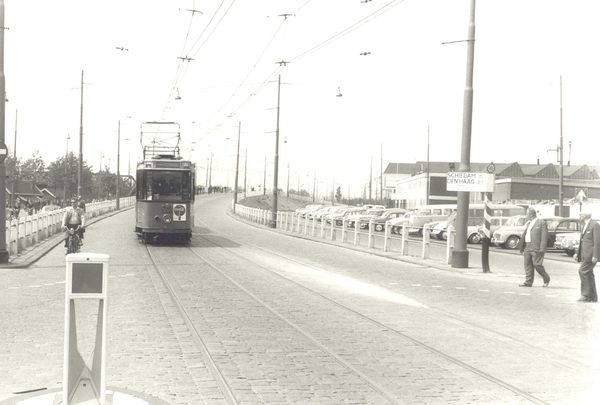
62	175
34	169
338	194
10	164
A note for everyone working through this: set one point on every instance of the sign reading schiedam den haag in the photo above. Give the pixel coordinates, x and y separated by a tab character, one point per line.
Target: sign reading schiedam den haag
468	181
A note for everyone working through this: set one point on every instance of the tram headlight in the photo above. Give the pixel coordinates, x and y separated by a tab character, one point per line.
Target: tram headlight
167	219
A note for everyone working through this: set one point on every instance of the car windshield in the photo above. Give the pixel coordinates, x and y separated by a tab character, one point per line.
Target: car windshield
515	221
553	224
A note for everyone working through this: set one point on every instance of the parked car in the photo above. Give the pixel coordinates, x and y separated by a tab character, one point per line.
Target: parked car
367	214
440	231
338	217
379	222
308	209
396	223
509	235
568	242
321	212
475	233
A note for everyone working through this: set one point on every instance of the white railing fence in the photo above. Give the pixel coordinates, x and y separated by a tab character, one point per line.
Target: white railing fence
385	240
27	231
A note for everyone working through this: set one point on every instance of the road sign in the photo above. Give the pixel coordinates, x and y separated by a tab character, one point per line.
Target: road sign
3	151
468	181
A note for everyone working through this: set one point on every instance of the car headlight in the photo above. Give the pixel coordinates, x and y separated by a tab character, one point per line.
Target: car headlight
167	219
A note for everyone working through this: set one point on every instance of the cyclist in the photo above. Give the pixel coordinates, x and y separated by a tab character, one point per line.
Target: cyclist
74	218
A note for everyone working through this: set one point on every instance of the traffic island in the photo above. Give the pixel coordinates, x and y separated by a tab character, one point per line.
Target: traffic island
114	396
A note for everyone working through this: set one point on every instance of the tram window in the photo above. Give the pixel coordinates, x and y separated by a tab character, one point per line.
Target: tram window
166	186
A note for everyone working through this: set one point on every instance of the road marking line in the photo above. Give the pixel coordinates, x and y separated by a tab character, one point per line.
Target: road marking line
436	286
416	285
484	290
460	288
509	292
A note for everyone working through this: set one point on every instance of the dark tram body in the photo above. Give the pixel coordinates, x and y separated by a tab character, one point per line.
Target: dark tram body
165	197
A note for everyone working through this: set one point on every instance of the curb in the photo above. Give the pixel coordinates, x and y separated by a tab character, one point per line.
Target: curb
32	255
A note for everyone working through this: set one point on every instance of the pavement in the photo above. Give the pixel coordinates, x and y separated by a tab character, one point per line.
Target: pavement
45	396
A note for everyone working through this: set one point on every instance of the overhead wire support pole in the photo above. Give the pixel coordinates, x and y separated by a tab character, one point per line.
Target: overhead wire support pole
80	163
237	168
560	158
3	252
273	222
460	255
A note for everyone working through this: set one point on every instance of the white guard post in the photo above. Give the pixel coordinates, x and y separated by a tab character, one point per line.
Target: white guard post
87	278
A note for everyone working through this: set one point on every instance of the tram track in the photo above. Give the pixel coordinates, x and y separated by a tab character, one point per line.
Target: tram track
390	397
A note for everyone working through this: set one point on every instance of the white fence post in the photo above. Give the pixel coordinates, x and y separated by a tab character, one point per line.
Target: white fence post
371	236
404	249
426	238
450	244
386	237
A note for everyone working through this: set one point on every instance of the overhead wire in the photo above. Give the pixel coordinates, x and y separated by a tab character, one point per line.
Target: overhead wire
384	9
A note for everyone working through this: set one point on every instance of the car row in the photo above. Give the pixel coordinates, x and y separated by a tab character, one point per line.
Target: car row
563	233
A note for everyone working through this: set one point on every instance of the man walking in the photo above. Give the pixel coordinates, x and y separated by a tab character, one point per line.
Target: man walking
587	255
533	245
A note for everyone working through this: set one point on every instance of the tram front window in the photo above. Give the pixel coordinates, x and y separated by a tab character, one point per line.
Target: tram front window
166	186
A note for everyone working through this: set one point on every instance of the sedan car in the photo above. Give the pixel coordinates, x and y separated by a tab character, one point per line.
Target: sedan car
568	242
509	235
379	221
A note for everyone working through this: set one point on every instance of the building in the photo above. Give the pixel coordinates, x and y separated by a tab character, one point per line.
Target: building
419	183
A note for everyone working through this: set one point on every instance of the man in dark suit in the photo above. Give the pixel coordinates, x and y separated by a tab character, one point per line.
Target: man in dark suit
533	245
587	254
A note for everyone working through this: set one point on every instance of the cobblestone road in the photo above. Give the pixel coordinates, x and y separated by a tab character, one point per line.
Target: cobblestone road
294	321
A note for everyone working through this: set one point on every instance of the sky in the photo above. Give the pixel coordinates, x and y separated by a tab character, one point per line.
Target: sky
342	115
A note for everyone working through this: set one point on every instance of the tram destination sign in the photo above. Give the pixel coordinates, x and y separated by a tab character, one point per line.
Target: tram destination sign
469	181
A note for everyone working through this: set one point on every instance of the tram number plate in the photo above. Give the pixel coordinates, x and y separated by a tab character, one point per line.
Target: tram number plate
179	212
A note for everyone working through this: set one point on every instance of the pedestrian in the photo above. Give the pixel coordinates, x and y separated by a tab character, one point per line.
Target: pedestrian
533	245
587	255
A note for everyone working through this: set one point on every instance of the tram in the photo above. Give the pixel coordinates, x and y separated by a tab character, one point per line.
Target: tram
165	183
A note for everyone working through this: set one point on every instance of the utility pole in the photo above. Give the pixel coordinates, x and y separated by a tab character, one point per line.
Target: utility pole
428	181
3	252
560	157
80	163
245	171
118	163
237	168
12	187
66	165
460	255
273	222
371	181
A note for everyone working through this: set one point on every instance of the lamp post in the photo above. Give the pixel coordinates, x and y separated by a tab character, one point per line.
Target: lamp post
237	168
66	166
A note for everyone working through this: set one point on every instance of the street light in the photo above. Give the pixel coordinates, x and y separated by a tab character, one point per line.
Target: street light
66	165
237	168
